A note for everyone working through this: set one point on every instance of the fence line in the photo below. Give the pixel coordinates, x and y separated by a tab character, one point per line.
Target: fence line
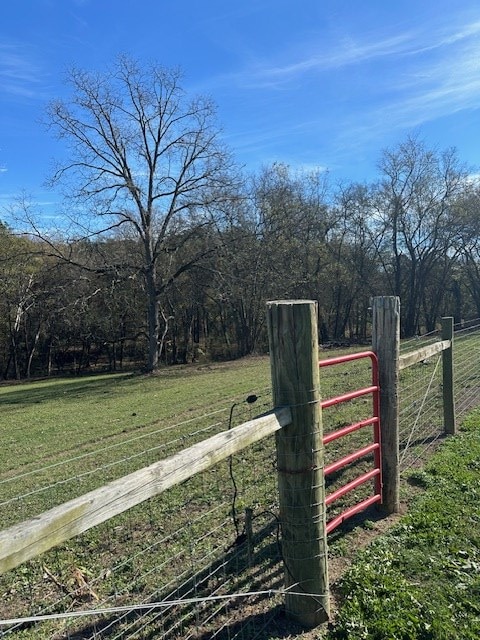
404	447
419	426
410	419
116	445
151	606
191	563
28	539
104	467
431	417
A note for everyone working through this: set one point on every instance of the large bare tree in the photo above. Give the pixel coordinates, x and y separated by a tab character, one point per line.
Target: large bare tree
417	199
147	158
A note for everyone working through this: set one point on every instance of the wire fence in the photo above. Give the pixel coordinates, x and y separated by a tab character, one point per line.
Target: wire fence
188	545
421	424
420	411
38	479
204	559
467	367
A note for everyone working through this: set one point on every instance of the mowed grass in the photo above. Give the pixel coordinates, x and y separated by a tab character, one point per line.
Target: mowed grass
94	429
421	581
60	415
64	437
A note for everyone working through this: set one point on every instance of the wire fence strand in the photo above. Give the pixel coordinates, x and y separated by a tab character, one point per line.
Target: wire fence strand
202	560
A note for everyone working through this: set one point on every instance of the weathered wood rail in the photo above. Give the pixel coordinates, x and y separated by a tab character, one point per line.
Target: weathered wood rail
297	423
423	353
28	539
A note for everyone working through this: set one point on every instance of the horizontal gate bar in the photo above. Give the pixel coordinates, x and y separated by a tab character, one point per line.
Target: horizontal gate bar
344	431
349	396
361	506
343	462
350	486
348	358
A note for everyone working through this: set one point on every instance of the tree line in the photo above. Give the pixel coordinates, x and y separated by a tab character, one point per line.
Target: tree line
167	252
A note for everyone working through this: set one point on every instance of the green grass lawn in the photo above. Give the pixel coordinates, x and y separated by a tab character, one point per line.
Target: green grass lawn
421	581
64	437
80	433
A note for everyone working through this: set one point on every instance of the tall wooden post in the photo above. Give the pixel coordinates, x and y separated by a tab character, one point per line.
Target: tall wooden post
448	390
386	344
292	328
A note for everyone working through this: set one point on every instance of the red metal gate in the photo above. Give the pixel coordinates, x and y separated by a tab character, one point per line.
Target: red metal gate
376	472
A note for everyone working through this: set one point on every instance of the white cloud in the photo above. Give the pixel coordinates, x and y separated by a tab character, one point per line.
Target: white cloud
438	88
349	50
348	54
422	84
19	75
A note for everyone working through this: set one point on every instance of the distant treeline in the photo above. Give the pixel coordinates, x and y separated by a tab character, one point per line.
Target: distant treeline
80	304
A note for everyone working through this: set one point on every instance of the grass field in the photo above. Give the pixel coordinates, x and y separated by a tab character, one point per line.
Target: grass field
64	437
86	431
421	581
63	434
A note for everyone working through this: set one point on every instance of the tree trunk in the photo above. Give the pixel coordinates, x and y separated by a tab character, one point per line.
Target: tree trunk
14	356
32	352
152	320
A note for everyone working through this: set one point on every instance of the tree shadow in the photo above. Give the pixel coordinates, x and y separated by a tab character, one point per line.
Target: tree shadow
201	615
50	389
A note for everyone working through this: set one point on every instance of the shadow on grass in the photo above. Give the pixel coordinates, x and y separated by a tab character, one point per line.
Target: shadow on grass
418	453
258	615
29	393
371	515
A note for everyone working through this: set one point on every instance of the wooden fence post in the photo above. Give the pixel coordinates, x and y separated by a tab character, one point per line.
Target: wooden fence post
386	344
448	394
293	337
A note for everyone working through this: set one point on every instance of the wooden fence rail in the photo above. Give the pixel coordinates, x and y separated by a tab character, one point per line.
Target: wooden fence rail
32	537
423	353
297	423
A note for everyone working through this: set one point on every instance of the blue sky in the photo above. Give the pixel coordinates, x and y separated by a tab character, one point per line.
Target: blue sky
311	83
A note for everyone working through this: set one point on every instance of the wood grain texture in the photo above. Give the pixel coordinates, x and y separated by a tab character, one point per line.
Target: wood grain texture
413	357
292	327
386	344
32	537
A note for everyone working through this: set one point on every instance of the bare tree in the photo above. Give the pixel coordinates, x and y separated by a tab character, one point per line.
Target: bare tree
468	246
146	158
416	200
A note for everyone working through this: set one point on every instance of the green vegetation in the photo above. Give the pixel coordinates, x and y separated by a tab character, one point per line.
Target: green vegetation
419	581
422	579
179	276
98	428
105	426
